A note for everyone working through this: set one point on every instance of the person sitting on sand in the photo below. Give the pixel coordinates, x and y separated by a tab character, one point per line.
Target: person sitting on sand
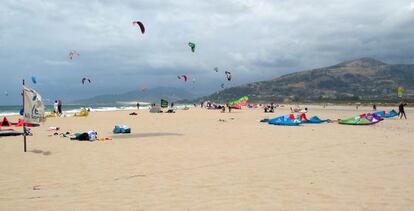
294	110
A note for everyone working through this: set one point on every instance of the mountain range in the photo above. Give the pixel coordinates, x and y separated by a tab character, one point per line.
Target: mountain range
144	95
364	79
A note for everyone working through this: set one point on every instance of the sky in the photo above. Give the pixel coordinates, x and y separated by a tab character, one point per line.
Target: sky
254	39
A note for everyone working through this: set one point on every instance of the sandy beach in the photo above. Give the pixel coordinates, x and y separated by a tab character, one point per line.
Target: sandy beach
190	160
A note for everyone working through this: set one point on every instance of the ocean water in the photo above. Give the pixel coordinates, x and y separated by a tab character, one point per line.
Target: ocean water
14	110
70	109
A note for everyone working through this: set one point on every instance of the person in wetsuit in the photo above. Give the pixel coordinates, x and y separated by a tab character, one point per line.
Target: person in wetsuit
401	111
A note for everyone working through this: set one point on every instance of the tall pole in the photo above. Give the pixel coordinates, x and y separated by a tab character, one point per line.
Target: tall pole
24	126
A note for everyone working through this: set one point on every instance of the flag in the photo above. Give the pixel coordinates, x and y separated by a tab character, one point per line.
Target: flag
34	110
164	103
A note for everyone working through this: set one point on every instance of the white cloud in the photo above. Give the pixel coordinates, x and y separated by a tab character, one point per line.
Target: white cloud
256	39
411	7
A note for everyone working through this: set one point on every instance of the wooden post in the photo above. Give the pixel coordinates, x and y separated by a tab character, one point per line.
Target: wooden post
24	126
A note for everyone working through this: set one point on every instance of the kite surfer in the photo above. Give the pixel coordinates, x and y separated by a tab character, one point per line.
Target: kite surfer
401	111
60	107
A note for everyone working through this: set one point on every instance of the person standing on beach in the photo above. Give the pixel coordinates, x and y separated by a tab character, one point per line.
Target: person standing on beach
55	107
60	107
401	111
228	106
374	107
138	105
272	107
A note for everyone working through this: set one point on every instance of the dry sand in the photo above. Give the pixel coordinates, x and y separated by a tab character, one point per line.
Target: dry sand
191	161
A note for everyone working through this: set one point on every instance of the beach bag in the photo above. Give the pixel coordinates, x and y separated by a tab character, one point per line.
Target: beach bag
121	129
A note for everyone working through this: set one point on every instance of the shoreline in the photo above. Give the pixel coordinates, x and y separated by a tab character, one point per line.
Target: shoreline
102	108
98	108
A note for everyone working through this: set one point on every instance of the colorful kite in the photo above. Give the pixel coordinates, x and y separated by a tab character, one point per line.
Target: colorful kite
192	46
140	24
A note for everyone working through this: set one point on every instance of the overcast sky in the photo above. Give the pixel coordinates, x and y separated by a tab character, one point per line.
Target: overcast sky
255	39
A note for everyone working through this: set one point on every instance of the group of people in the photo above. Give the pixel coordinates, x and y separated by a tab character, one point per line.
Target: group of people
269	108
57	107
215	106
